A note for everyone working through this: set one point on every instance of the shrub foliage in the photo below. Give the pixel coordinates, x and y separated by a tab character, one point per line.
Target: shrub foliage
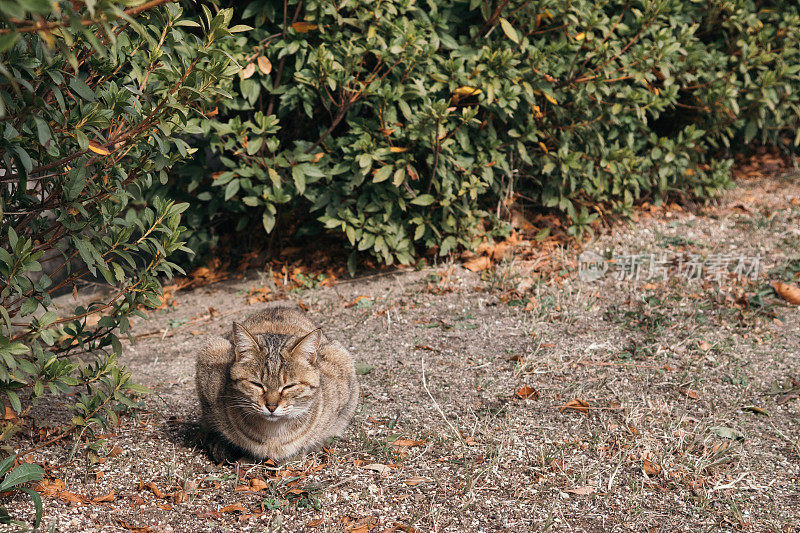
93	104
408	125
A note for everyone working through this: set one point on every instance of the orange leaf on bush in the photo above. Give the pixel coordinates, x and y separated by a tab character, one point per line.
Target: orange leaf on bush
247	71
264	65
303	27
98	148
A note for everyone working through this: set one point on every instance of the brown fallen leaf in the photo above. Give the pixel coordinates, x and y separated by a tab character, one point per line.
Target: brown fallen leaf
407	443
690	393
50	487
258	484
526	393
578	405
719	447
316	522
377	467
650	468
110	497
70	497
790	293
115	451
414	481
582	491
152	488
478	264
234	508
178	496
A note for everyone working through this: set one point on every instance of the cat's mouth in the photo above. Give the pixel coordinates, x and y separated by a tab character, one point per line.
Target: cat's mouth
271	415
281	412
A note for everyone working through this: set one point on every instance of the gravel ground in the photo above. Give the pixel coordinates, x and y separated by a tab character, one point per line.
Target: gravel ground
521	397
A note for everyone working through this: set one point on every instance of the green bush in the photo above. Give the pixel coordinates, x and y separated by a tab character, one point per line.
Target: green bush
92	107
408	125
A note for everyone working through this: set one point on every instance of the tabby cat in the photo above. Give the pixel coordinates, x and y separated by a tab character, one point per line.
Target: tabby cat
275	388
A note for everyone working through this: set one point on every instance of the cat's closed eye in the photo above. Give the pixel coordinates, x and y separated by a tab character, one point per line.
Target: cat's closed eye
288	387
257	384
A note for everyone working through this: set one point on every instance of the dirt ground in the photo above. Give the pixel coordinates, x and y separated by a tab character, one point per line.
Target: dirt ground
523	397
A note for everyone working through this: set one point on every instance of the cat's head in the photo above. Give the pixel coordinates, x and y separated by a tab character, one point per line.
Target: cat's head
275	375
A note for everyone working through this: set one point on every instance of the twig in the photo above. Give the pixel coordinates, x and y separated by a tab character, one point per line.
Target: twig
36	26
436	404
616	469
732	483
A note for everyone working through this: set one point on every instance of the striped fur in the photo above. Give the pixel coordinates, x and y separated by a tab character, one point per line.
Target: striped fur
241	384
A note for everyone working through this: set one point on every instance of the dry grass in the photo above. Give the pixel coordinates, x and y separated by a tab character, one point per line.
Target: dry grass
692	423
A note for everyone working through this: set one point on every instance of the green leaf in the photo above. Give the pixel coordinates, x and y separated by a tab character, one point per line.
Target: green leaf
22	474
43	131
6	464
382	174
268	220
509	30
750	131
83	90
231	189
299	178
13	399
423	200
188	23
37	505
7	40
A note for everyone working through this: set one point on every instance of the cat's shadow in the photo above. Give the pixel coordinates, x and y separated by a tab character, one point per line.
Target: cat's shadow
189	434
185	432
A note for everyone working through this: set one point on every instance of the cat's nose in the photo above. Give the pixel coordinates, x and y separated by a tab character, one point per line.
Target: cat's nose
271	407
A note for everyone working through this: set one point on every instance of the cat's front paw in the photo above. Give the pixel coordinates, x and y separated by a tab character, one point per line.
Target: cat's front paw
218	450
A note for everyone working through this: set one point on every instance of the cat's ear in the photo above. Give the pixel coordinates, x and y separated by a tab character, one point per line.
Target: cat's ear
244	344
308	345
